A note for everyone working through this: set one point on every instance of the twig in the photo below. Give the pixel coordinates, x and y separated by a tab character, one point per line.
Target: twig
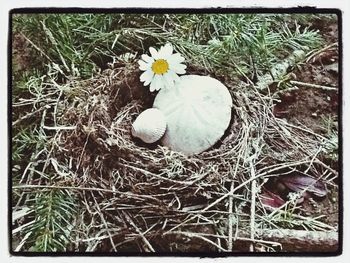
252	206
230	220
303	129
105	223
268	80
313	159
139	232
320	51
279	70
36	47
30	115
284	91
59	127
159	176
228	194
299	240
325	166
276	167
83	150
309	85
57	102
200	236
84	189
273	243
181	224
23	241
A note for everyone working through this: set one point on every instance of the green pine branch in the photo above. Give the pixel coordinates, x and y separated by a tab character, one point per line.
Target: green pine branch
53	222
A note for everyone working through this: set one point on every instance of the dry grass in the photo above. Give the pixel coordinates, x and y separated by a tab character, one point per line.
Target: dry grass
135	197
82	183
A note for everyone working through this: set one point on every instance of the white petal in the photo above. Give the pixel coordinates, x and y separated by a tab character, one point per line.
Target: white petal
176	58
144	65
155	84
166	51
173	75
147	58
180	71
169	81
178	68
154	53
162	82
147	82
177	65
147	76
158	82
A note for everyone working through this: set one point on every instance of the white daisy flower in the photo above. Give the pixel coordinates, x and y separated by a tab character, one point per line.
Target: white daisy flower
162	68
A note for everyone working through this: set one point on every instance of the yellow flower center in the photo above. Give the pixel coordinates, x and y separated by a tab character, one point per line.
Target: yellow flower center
160	66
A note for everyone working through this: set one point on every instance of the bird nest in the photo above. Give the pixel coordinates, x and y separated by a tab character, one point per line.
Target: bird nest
136	197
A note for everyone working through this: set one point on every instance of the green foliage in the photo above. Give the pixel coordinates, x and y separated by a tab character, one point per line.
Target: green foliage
26	142
54	212
82	43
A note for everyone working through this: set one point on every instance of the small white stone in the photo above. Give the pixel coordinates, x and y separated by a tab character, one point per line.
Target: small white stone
149	126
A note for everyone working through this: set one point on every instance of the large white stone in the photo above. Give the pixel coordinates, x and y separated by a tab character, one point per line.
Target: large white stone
197	112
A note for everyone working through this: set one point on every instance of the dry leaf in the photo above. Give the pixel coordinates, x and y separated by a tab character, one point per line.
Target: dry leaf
299	183
271	200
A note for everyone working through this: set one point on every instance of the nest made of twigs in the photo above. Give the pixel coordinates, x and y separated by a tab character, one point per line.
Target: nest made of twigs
139	197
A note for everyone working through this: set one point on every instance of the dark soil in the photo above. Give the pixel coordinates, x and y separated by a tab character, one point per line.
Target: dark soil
326	207
318	110
312	106
24	56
